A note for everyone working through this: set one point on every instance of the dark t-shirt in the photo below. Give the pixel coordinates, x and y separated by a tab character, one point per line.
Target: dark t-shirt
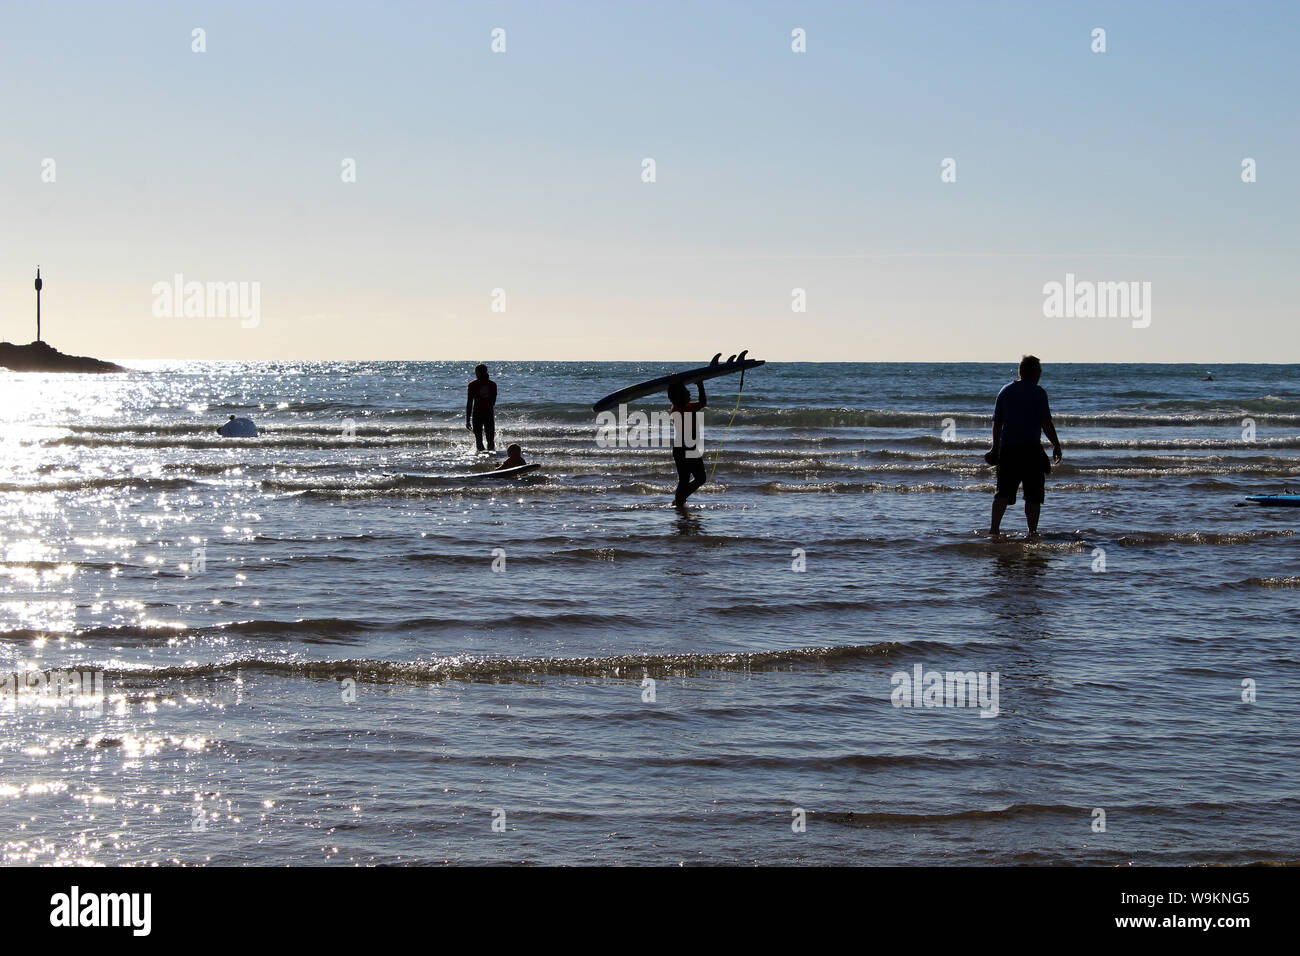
1021	409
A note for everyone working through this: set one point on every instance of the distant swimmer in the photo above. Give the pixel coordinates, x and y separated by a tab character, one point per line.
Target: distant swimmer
1209	377
480	407
687	432
514	458
238	428
1020	416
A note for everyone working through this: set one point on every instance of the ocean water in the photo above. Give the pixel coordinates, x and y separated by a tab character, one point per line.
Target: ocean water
304	649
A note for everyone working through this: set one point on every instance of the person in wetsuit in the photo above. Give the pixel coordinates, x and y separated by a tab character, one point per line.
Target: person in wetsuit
688	454
479	408
514	458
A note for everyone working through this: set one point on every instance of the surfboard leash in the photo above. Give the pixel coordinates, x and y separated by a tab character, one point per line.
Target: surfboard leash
717	453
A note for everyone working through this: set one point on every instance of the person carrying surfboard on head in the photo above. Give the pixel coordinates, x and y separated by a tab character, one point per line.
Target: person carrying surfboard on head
480	407
687	430
1020	416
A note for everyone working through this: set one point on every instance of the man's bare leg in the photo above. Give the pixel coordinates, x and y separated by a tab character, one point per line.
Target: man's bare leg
999	509
1032	508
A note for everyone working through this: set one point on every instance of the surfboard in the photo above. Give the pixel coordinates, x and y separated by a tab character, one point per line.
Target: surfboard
1280	501
503	473
474	476
737	363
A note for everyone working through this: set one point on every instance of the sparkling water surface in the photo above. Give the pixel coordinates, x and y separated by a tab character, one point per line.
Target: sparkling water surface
308	657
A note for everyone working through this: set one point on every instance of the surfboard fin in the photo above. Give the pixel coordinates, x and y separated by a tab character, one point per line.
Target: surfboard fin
730	360
714	361
741	356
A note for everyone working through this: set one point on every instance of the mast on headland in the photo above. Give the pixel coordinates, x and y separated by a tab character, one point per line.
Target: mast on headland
38	303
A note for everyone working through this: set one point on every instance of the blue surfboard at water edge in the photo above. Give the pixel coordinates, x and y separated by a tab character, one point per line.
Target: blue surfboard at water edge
1277	501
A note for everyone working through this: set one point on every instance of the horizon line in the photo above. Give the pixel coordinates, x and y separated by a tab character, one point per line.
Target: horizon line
475	361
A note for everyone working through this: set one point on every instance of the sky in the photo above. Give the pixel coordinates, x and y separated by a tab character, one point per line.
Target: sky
500	208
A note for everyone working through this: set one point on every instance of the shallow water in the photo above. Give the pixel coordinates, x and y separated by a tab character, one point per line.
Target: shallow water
308	656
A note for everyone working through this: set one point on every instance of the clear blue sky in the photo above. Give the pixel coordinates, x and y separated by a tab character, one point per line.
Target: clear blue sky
775	170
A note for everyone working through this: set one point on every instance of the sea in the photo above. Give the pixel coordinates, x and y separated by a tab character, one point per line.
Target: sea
332	645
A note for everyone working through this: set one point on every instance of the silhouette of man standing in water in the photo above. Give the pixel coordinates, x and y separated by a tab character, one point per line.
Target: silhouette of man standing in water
479	408
1020	416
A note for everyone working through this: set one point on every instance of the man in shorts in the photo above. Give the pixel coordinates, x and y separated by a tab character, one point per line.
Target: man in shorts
1020	416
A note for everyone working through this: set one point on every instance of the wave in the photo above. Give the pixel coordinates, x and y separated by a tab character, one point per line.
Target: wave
1116	444
318	539
365	420
330	429
325	630
340	485
657	480
1287	582
935	420
544	485
852	818
77	564
469	669
1139	539
642	474
974	451
1264	405
923	488
264	440
536	486
1085	539
863	488
97	483
1015	810
1045	545
1291	470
